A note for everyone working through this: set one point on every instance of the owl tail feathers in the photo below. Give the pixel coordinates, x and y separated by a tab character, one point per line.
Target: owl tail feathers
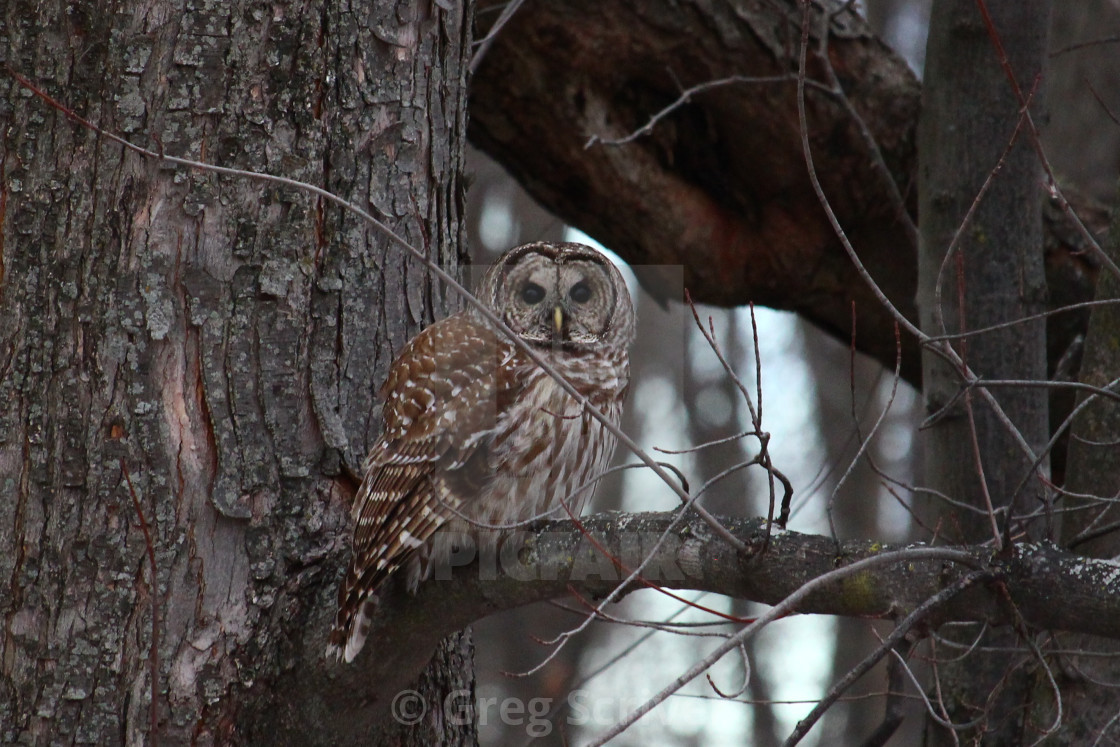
351	626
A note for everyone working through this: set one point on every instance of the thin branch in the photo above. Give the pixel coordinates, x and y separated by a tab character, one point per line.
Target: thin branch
763	437
864	443
1082	45
783	608
1021	320
888	644
952	251
895	697
620	589
1036	141
941	718
1100	101
685	97
982	480
488	40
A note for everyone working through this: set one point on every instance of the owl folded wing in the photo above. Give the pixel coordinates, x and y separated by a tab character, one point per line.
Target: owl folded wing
441	400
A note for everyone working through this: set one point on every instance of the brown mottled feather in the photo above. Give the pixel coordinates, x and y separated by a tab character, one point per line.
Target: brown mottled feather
475	432
424	429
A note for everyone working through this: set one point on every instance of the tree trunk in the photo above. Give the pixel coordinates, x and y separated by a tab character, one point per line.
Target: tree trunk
1092	528
1082	138
994	274
195	357
1084	147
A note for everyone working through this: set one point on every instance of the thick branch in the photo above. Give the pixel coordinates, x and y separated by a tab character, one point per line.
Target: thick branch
1051	588
719	183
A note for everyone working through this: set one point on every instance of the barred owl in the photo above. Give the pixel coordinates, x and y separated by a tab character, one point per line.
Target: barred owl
476	434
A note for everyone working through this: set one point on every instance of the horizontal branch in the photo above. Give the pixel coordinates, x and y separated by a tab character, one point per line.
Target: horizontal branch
1051	588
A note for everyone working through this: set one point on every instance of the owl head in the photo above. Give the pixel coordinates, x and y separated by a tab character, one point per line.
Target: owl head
563	295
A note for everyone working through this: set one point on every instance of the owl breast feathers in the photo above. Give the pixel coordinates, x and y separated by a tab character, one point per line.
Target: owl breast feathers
475	434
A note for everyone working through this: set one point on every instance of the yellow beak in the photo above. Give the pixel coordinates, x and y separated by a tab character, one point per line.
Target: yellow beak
558	319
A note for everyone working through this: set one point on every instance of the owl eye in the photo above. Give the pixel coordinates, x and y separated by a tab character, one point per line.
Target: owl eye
580	292
532	294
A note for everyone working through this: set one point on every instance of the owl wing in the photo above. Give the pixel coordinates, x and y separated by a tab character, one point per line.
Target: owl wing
441	402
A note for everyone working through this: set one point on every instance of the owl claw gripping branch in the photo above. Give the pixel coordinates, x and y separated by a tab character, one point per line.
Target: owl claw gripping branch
476	434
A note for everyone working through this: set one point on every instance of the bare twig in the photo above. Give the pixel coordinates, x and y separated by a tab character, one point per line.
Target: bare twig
865	443
779	610
1100	101
1021	320
888	644
488	40
951	252
684	98
763	437
982	480
559	641
894	711
1082	45
941	718
1036	141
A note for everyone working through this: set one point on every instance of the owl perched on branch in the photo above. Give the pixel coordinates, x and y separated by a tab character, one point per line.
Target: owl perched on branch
478	435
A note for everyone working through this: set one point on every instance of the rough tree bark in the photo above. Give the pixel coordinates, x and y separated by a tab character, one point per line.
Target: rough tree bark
215	340
976	271
985	268
554	558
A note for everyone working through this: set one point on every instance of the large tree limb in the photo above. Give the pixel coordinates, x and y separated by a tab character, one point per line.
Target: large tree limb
1049	588
719	184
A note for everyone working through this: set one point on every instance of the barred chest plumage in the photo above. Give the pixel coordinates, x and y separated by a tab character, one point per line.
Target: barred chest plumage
546	448
546	452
